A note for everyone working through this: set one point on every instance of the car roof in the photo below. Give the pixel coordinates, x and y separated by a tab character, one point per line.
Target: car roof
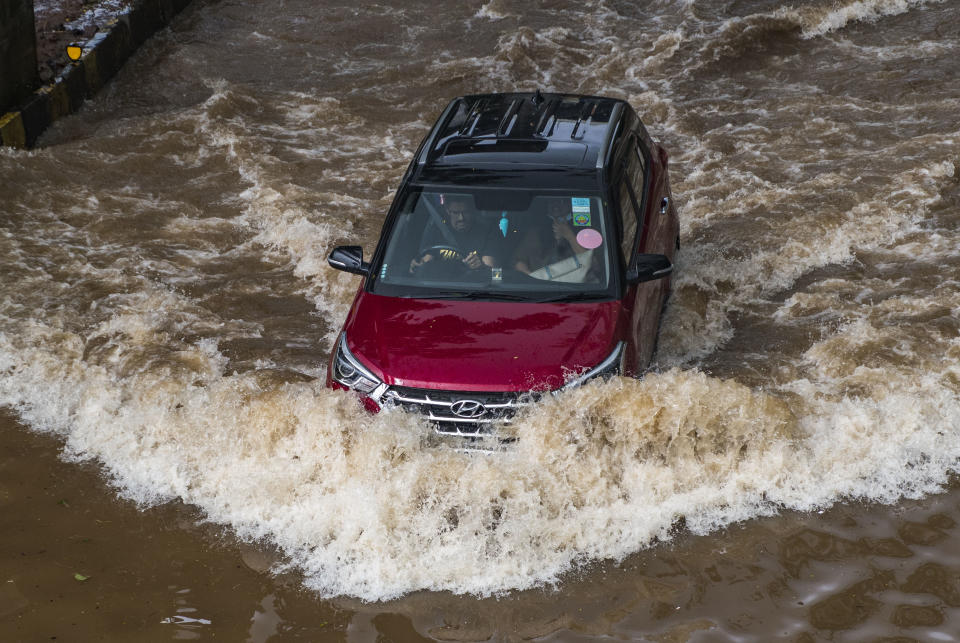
498	136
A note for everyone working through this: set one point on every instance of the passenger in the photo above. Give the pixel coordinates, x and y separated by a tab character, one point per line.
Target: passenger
552	240
466	240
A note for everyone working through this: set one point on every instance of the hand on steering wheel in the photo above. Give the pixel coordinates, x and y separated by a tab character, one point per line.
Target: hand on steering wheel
441	248
420	260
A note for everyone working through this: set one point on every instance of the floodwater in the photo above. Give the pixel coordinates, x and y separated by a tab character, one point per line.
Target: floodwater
785	472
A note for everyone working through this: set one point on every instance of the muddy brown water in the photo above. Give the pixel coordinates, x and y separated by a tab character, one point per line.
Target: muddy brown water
785	472
855	572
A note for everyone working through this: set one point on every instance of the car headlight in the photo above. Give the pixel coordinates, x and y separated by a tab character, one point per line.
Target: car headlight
348	370
612	365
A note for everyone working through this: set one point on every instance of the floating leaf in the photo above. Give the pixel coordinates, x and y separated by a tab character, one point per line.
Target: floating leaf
80	577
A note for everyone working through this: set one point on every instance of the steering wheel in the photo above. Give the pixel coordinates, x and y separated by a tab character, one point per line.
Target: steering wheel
439	263
438	247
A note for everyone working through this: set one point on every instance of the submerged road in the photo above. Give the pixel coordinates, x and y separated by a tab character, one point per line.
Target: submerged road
166	309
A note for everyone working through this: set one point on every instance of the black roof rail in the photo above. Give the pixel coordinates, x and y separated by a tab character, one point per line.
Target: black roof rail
606	148
444	122
592	108
547	117
509	117
511	120
473	118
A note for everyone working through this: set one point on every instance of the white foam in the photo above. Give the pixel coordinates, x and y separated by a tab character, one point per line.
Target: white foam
698	323
860	11
492	10
364	509
273	209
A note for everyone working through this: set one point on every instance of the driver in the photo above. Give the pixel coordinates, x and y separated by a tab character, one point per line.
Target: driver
474	243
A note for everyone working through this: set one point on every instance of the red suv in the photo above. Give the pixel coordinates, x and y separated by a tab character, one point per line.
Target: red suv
527	249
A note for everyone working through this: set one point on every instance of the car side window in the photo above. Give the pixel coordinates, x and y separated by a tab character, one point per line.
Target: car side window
628	219
637	176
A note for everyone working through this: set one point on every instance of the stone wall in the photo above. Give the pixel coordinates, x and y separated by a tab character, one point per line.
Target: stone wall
18	52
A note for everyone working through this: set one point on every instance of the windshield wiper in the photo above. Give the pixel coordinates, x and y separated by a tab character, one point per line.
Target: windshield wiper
473	295
574	296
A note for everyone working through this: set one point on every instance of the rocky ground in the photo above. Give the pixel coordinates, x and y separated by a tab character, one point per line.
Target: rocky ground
62	22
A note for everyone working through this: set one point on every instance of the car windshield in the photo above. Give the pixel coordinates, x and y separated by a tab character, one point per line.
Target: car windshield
512	245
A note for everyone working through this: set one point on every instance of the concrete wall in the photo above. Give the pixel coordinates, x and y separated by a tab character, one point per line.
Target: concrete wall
18	52
103	55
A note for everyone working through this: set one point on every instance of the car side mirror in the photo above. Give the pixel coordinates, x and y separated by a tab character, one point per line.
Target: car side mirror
349	259
648	267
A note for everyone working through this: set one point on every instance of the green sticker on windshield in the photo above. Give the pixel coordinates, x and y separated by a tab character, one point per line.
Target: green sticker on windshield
580	207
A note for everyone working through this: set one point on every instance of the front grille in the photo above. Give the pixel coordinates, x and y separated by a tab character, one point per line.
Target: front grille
461	413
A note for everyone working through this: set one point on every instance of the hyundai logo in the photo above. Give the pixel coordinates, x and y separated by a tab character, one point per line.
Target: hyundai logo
467	408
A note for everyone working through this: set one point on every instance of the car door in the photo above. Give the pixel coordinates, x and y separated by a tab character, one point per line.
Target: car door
642	194
661	212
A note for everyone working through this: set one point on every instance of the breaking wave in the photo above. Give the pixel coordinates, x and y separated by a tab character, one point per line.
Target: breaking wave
833	18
